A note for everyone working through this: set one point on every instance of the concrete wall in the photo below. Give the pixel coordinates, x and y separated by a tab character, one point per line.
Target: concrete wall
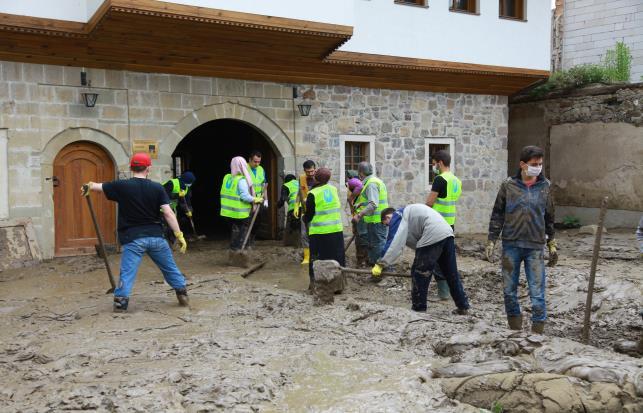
41	110
382	26
594	148
591	27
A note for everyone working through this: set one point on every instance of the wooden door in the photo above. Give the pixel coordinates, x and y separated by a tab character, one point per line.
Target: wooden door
75	164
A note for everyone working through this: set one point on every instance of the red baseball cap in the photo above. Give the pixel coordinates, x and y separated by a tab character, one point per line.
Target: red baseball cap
140	159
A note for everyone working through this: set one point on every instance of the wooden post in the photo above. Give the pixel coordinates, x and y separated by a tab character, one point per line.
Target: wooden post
592	271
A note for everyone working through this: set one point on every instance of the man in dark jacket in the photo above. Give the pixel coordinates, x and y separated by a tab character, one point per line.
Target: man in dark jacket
524	214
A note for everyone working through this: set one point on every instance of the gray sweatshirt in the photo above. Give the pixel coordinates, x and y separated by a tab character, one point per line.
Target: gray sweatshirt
420	226
372	193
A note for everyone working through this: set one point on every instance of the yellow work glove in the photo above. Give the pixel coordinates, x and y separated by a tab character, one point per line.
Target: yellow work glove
553	253
258	200
188	214
295	212
84	190
488	251
377	270
181	240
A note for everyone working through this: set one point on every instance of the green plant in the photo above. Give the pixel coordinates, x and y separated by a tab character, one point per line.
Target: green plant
615	67
618	63
570	221
496	407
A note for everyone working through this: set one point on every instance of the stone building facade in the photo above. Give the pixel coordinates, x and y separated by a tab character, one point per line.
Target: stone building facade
594	148
42	111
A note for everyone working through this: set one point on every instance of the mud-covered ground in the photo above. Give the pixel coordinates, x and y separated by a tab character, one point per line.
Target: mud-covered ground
258	343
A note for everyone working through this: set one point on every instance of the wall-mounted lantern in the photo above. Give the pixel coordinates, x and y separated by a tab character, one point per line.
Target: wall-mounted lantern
89	97
305	105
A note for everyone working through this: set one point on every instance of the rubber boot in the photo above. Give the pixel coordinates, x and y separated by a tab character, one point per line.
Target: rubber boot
515	322
182	296
538	327
306	259
443	290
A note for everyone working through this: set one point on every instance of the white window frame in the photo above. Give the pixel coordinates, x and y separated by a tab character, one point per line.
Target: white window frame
370	139
427	155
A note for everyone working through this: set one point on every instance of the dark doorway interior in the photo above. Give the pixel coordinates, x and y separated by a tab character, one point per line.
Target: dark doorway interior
207	151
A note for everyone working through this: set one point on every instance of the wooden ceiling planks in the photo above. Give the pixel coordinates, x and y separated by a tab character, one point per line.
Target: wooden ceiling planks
154	36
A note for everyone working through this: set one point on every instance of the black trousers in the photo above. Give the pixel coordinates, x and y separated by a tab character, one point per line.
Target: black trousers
442	255
326	247
238	230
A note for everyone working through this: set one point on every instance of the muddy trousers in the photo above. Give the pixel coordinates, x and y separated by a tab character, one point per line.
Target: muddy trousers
376	234
304	235
238	230
159	251
361	243
534	261
441	254
326	247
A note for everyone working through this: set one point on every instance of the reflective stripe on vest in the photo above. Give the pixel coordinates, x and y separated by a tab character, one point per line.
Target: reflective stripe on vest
258	179
446	206
176	190
293	188
362	201
328	218
232	206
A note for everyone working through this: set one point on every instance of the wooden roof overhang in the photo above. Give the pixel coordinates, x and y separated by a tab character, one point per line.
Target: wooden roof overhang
154	36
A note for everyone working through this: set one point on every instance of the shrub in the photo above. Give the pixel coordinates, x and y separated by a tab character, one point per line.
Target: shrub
615	67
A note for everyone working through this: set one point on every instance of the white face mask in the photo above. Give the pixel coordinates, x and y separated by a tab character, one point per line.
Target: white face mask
436	170
534	170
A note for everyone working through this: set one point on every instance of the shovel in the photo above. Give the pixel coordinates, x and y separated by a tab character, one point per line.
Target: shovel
101	243
252	223
198	237
384	273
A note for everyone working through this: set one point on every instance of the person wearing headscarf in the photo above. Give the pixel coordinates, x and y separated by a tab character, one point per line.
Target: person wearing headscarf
324	217
237	199
360	232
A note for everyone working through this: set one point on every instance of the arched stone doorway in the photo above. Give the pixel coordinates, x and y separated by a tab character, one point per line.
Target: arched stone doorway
112	147
206	140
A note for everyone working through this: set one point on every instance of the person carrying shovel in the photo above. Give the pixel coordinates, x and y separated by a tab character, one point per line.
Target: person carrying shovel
178	190
139	229
424	230
237	199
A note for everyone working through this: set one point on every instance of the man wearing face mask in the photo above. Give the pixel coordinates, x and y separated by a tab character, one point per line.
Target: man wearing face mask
178	190
444	195
524	214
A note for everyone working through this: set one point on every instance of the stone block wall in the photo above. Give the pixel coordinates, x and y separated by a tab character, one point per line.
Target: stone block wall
41	110
593	140
592	27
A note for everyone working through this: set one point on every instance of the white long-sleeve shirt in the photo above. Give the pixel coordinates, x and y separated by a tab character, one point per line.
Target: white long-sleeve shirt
420	226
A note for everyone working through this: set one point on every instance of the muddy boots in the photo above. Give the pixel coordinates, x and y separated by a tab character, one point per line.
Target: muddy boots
515	322
538	327
443	290
120	304
182	296
306	259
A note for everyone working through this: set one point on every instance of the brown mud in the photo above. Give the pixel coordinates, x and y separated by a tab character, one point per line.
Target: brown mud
259	344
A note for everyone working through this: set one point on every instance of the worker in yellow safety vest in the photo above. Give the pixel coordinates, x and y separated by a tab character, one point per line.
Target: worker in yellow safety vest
445	192
370	203
306	182
288	198
237	199
260	186
324	218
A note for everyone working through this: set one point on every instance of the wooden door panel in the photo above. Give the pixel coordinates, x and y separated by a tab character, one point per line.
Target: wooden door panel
76	164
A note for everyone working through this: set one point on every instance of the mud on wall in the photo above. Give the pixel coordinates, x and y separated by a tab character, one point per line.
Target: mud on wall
593	141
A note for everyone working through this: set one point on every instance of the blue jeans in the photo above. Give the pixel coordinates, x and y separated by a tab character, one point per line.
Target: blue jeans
427	259
159	251
376	234
534	261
